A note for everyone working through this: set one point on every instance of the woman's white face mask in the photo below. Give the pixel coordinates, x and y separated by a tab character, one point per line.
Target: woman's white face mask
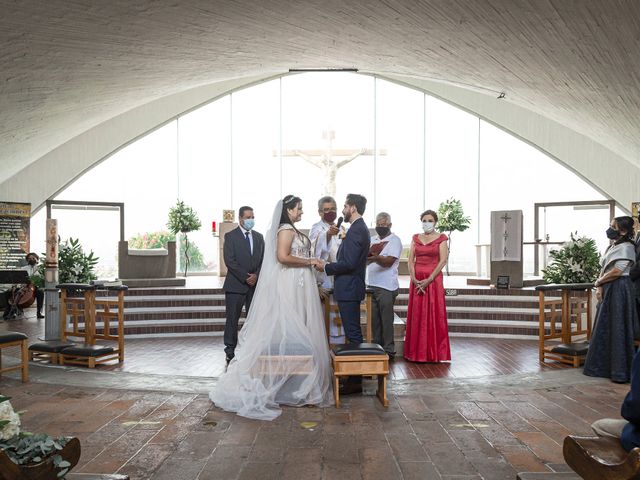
428	227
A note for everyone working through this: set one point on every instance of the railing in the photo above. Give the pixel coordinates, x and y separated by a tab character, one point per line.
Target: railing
483	252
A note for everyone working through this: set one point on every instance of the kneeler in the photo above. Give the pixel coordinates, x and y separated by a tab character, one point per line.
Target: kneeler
363	359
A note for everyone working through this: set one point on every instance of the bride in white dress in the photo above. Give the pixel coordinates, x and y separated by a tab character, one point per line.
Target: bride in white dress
282	356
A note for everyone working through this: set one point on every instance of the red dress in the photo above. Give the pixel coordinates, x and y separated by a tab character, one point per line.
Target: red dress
427	334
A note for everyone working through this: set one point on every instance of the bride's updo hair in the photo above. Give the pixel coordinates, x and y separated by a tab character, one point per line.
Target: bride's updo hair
289	202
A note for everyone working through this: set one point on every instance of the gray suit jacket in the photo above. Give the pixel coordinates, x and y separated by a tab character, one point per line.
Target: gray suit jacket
239	260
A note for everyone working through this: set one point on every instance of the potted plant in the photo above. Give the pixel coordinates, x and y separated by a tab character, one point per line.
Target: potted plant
24	455
576	261
451	219
183	219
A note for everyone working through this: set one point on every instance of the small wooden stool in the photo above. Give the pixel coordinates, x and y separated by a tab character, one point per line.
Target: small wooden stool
362	359
601	458
16	339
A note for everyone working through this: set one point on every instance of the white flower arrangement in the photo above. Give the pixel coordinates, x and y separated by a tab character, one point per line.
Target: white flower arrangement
9	420
24	448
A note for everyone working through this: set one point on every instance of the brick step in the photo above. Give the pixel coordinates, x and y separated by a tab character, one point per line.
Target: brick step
515	314
181	326
165	291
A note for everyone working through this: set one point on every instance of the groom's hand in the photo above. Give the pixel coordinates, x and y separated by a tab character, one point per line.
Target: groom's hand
252	279
320	266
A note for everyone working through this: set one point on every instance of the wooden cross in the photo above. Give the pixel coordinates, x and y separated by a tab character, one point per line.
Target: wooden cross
323	159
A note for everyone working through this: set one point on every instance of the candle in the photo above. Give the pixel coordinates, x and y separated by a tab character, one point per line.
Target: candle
213	227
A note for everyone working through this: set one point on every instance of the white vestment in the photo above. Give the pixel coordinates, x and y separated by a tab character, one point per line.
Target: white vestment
327	251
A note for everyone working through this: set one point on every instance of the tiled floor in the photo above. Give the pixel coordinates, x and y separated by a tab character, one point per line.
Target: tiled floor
204	356
436	429
492	412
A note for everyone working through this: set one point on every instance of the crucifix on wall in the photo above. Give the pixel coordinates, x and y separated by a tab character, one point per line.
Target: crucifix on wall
324	159
505	218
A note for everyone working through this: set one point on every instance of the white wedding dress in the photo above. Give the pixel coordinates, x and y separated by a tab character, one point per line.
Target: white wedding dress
282	356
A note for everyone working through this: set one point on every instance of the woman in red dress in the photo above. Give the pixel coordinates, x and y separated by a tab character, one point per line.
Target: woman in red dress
427	335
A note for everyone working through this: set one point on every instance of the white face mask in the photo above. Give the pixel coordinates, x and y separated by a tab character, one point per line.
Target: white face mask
428	227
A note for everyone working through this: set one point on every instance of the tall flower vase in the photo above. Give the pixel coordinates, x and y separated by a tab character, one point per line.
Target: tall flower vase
44	470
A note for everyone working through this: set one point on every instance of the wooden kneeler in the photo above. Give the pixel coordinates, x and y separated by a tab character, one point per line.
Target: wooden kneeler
601	458
362	359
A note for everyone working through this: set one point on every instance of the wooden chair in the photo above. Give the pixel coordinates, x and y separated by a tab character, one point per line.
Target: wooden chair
601	458
108	309
569	320
16	339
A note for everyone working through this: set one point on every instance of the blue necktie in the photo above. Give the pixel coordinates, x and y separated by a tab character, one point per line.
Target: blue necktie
246	235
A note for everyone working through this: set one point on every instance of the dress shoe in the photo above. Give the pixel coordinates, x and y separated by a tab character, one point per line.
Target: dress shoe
350	388
229	358
39	315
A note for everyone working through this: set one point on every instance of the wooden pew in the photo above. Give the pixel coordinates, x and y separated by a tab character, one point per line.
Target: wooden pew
601	458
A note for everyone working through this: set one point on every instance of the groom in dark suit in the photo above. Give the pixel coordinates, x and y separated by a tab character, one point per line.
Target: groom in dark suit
349	271
243	252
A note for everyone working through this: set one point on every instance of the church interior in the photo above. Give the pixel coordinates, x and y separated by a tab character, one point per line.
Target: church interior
134	134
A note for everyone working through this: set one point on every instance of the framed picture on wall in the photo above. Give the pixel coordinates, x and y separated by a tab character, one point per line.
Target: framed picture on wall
228	215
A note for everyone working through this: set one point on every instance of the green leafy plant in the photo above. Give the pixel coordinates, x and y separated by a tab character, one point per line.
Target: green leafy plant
451	219
24	448
74	265
161	238
576	261
183	219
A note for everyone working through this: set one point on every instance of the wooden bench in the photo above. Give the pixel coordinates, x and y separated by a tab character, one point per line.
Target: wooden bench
364	359
16	339
601	458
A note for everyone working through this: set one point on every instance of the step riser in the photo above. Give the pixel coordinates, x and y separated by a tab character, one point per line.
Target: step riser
399	331
201	312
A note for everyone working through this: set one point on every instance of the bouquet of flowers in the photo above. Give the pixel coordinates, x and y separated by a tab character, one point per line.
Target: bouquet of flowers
577	261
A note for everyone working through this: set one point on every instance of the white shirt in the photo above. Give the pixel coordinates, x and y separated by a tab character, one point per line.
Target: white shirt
327	251
244	232
31	270
385	277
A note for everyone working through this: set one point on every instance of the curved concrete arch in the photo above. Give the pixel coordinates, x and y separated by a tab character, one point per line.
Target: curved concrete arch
51	173
611	174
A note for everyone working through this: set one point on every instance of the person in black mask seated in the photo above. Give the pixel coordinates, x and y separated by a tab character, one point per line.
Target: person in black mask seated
10	295
611	348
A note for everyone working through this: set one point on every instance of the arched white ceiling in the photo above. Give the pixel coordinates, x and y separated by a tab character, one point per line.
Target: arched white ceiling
73	73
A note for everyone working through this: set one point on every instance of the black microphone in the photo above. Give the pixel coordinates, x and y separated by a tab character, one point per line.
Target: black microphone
340	220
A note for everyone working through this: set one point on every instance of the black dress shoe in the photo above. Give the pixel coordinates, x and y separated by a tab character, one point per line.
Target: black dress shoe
39	315
229	358
350	388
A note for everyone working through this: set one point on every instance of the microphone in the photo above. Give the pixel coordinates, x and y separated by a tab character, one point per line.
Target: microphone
340	220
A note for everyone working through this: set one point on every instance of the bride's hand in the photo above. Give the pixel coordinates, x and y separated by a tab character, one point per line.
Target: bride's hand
319	265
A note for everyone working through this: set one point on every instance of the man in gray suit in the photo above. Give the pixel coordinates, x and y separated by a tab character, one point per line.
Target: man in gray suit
243	252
